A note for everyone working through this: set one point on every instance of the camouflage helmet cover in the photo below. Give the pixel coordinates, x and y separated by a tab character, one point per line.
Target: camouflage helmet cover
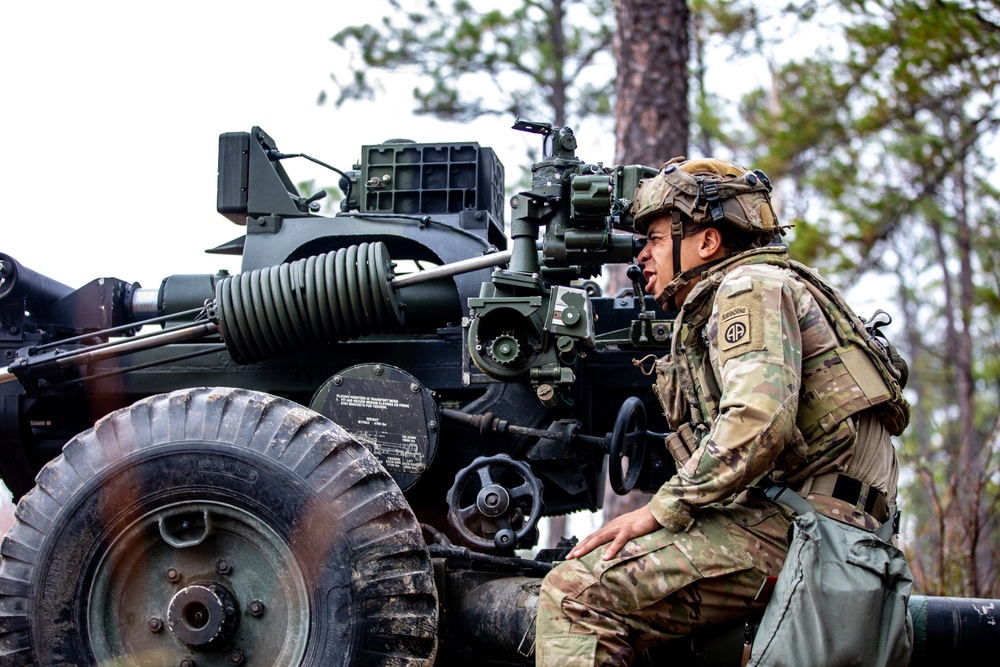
708	191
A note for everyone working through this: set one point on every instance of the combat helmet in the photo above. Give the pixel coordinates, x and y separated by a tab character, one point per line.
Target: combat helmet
704	191
708	191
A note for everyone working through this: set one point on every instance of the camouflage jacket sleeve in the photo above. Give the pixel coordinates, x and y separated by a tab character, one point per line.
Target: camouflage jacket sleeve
755	356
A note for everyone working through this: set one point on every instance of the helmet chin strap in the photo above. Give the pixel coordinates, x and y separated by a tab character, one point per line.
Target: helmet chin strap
667	299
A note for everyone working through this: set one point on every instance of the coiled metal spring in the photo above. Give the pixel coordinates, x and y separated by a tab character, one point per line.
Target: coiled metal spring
267	313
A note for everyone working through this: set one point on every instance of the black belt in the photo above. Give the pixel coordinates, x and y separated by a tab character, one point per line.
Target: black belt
849	490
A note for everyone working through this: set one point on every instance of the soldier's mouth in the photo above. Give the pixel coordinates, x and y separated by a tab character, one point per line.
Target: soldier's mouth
650	277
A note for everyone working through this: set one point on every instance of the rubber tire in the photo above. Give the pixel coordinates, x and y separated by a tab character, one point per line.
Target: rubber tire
355	537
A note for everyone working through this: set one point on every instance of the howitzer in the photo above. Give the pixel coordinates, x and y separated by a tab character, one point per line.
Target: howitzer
340	454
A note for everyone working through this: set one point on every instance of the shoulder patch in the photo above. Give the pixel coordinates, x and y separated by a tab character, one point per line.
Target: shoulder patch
734	329
741	317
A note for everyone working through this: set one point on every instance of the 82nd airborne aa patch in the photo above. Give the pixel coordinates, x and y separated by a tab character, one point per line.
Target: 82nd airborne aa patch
734	328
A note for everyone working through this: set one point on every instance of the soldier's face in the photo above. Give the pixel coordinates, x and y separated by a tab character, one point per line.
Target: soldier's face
657	256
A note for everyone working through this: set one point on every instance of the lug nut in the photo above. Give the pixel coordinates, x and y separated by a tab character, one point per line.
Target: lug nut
186	662
155	623
256	608
222	566
173	574
237	657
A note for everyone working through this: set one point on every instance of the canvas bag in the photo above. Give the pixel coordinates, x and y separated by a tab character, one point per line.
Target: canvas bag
840	599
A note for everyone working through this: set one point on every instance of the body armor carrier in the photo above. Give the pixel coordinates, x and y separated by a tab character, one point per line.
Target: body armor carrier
860	360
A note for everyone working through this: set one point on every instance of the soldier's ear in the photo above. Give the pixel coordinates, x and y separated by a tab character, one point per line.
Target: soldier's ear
711	244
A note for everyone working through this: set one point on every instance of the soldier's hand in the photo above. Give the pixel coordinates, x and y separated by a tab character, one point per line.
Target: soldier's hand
617	532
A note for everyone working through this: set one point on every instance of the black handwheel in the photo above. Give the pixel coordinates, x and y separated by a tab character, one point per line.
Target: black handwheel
627	446
216	527
495	502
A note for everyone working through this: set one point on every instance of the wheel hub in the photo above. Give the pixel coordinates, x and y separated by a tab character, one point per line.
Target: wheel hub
224	586
203	615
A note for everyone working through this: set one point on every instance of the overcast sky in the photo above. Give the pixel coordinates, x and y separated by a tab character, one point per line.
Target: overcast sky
112	112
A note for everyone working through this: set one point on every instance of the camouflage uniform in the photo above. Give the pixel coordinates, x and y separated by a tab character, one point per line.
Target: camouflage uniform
745	337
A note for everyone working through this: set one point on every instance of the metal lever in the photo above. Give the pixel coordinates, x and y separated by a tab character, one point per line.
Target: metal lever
634	274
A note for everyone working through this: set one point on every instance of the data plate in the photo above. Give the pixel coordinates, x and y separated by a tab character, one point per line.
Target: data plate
388	411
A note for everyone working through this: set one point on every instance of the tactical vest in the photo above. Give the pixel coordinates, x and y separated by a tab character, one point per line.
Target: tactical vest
857	375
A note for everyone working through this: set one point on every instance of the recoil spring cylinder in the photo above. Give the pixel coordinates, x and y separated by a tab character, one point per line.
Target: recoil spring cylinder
268	313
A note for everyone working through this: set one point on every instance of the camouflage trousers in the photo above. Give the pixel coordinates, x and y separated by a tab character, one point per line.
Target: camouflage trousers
661	586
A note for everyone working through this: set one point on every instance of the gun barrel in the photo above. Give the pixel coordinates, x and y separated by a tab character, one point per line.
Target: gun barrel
951	629
362	287
945	629
19	282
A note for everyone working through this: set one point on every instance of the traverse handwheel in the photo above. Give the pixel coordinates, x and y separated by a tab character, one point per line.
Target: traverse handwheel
495	502
627	446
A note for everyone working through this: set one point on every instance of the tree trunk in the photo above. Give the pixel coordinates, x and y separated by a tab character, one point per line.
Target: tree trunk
971	459
651	114
651	49
558	38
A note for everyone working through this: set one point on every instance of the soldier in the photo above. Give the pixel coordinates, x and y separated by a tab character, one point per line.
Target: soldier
770	379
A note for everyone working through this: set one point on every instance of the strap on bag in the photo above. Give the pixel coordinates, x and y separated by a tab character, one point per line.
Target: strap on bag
784	495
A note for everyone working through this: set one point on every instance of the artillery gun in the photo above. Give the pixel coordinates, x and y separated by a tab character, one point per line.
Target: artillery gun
340	455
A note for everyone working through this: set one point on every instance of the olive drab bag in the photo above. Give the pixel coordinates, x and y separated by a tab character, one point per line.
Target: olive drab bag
840	599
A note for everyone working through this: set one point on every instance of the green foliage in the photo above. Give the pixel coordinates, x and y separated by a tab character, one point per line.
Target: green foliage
875	134
710	20
880	142
741	24
548	59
